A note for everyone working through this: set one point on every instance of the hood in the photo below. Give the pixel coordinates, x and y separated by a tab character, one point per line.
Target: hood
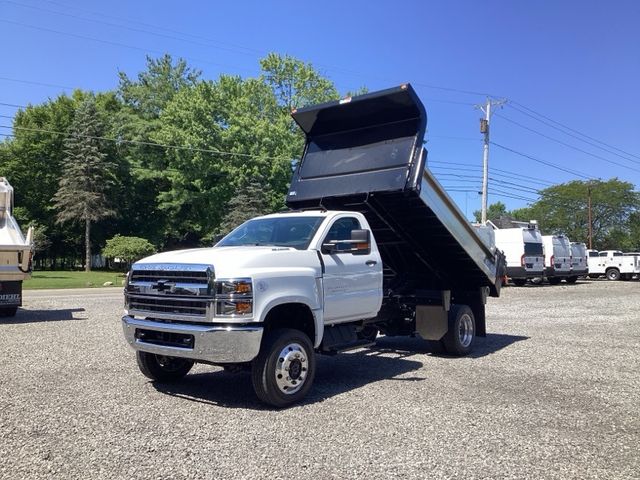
239	261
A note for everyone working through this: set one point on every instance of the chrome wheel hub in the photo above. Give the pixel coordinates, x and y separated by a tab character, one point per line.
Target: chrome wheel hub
466	330
291	368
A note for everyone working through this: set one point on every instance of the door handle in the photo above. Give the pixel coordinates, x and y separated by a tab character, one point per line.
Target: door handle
370	263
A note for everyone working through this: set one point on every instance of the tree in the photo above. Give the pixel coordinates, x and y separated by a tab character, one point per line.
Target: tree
564	209
295	83
128	249
250	200
496	213
86	176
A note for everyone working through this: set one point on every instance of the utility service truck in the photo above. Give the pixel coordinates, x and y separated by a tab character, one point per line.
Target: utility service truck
523	250
372	244
613	264
15	254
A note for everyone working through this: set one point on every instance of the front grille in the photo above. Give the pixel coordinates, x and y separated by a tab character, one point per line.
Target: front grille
166	304
172	276
171	291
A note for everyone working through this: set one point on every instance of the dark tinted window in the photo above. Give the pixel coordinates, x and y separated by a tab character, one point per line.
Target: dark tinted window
341	229
532	248
593	254
617	254
602	254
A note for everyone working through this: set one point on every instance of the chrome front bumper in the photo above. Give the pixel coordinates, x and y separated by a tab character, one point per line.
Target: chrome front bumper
211	343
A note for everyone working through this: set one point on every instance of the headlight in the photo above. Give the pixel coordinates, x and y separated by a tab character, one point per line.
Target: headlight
234	297
239	286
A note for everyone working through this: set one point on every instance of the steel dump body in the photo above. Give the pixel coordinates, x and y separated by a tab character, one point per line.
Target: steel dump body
366	155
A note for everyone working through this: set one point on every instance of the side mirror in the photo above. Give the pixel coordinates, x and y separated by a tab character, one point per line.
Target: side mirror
359	244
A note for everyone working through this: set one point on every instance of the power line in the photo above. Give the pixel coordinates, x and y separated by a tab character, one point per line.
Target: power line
544	162
140	142
211	43
513	103
12	105
569	145
29	82
478	167
109	42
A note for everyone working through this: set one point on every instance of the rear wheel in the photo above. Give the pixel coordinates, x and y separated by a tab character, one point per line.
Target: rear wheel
161	368
462	331
613	274
572	279
519	282
283	371
554	280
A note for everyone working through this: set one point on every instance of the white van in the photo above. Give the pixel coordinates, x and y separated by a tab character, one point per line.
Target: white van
522	247
579	262
557	258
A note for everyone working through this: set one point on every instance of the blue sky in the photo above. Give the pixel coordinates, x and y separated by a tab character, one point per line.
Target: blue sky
575	62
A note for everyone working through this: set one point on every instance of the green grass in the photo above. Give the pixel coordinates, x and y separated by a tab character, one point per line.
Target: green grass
64	279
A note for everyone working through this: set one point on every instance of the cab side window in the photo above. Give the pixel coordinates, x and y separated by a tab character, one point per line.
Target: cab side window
341	230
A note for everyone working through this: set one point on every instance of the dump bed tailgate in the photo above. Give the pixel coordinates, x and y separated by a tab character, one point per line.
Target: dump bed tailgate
365	154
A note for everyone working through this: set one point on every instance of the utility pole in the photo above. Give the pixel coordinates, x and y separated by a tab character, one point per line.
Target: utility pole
484	128
589	215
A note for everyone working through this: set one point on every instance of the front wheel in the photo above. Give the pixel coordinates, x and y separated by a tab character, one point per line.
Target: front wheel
283	371
573	279
519	282
462	331
160	368
554	280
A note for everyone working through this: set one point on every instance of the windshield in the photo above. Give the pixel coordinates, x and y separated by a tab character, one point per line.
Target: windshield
295	232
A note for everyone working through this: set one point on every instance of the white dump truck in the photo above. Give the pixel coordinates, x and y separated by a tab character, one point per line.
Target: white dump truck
372	244
613	264
523	250
15	254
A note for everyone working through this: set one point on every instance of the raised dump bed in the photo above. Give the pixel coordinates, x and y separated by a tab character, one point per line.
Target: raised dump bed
365	154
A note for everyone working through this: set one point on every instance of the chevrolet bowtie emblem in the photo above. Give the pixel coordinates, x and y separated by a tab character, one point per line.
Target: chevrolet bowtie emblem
163	286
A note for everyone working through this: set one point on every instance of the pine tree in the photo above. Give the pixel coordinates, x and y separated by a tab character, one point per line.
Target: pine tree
86	175
250	200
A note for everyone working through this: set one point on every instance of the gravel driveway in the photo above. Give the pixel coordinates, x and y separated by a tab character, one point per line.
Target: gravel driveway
552	392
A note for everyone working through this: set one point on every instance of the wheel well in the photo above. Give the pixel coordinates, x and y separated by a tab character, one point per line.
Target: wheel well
612	268
291	315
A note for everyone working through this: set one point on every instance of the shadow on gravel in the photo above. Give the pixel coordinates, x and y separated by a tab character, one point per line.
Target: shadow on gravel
334	375
492	343
35	316
389	359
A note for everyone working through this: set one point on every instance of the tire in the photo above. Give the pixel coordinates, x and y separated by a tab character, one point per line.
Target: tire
163	369
519	282
536	281
8	311
555	280
283	351
461	334
613	274
369	333
572	279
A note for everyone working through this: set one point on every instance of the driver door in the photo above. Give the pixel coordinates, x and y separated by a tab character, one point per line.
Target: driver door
352	283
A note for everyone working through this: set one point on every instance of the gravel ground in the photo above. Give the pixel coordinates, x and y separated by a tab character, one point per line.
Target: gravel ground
552	392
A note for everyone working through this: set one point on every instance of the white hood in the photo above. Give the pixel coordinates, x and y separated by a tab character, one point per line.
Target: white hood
240	261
